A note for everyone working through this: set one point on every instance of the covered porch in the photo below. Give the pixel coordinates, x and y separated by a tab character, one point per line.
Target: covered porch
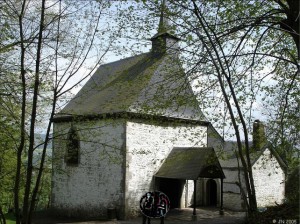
190	177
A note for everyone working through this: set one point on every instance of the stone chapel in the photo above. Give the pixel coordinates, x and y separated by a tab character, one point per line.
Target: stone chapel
135	127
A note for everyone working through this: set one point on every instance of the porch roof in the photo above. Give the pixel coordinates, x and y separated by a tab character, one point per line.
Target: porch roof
190	164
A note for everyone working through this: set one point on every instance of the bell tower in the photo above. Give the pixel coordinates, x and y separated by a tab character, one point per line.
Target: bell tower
164	41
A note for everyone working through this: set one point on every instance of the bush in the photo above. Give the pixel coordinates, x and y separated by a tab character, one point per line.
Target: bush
292	187
274	214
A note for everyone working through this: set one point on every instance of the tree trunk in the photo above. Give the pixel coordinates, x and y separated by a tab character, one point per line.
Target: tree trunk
2	217
222	68
291	23
23	117
26	205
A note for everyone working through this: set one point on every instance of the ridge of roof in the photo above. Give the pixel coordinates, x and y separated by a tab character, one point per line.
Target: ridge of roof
126	59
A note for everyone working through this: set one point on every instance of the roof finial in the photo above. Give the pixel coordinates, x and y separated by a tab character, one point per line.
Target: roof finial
164	24
164	41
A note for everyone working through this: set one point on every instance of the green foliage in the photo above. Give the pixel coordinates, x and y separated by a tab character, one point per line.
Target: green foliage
238	48
46	51
292	187
255	58
10	218
9	135
279	213
257	62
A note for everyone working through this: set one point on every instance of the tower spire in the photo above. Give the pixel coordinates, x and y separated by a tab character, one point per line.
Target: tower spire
164	23
164	40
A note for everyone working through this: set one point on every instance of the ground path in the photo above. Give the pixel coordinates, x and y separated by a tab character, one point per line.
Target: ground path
175	216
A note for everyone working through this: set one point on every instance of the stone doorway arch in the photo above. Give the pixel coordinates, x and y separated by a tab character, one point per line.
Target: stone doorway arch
212	192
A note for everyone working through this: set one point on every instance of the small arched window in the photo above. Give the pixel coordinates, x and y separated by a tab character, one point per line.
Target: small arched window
73	144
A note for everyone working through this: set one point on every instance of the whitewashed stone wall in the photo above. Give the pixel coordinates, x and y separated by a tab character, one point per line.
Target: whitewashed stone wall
147	146
97	182
269	180
233	201
110	148
232	198
187	197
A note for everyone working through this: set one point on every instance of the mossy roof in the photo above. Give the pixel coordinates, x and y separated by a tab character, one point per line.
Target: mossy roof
190	164
143	84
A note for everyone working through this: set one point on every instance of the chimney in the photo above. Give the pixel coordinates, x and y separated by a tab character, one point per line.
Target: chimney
259	137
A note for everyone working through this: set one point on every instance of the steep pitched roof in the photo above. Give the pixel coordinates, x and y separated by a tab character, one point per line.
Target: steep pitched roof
231	162
148	84
109	90
143	84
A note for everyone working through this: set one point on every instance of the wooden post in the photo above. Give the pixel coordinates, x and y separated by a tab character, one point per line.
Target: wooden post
221	207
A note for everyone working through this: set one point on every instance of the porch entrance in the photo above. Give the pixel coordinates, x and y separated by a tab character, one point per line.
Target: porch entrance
173	189
190	164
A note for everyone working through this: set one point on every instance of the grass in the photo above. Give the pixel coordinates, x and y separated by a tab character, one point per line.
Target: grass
10	218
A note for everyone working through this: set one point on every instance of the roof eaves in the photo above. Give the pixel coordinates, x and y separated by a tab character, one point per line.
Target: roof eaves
165	34
124	114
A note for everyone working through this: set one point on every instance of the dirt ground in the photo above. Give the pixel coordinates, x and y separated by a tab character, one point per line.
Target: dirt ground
175	216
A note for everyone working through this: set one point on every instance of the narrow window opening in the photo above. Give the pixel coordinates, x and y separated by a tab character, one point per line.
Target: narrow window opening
73	144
